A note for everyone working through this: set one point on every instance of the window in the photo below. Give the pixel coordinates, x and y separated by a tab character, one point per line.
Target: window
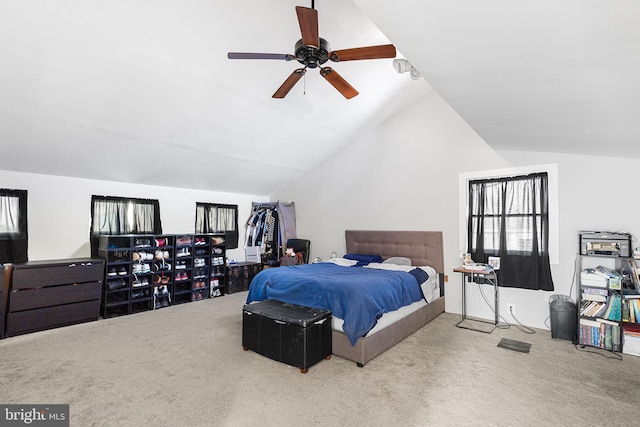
509	217
123	215
218	218
13	226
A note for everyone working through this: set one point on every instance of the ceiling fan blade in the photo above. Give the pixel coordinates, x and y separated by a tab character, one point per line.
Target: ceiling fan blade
369	52
248	55
289	83
338	82
308	19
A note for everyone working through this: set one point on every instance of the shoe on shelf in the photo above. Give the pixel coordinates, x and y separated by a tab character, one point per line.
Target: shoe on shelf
112	271
116	284
122	271
137	295
183	241
182	252
142	243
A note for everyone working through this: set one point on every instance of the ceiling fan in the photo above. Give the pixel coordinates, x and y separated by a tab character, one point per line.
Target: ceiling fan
312	51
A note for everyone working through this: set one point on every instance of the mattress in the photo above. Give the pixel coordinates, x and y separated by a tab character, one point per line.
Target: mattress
431	290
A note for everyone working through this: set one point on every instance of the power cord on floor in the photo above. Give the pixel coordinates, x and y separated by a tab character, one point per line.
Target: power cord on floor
603	353
506	325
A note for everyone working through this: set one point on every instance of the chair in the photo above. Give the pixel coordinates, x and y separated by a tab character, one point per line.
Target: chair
302	246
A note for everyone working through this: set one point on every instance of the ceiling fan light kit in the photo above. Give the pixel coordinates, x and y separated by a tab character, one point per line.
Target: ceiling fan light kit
404	66
312	51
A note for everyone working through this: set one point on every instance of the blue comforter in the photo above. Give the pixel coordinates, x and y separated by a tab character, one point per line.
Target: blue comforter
357	295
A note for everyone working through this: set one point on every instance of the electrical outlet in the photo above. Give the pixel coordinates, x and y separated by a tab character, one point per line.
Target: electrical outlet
512	308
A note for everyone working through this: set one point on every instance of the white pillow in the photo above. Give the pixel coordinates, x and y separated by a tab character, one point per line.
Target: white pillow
394	267
397	260
342	262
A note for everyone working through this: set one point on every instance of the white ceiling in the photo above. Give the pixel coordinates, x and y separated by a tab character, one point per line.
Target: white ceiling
141	91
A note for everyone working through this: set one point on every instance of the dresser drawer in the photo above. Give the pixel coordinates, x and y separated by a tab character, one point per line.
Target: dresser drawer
27	299
47	273
24	322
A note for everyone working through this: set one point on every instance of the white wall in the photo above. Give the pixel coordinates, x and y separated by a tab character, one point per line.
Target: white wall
59	210
404	176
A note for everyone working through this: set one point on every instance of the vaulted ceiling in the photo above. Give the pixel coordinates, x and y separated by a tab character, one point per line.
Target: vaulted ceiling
142	91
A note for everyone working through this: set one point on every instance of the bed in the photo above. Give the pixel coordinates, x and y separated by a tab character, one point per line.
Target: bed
423	248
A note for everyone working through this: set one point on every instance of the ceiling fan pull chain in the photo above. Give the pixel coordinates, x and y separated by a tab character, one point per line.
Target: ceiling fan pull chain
304	84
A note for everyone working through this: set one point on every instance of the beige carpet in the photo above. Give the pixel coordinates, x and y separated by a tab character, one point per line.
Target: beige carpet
184	366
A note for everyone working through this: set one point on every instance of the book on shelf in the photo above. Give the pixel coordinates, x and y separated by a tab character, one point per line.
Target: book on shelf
625	310
634	310
614	279
615	303
594	294
631	310
631	329
630	294
590	307
600	333
589	277
631	332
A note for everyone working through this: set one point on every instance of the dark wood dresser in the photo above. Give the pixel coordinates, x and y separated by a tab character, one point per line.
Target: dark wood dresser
4	291
49	294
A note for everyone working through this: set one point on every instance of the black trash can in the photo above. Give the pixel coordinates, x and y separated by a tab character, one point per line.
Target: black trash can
564	318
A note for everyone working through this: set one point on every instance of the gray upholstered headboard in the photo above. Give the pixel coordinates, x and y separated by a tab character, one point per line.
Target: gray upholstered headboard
422	247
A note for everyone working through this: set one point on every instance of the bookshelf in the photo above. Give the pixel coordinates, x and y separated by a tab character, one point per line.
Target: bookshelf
608	291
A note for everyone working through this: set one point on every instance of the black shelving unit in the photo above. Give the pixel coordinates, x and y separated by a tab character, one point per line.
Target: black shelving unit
218	266
117	255
597	325
183	269
162	267
149	272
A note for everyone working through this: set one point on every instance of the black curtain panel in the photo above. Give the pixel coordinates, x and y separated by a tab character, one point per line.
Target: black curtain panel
218	218
509	218
13	226
122	215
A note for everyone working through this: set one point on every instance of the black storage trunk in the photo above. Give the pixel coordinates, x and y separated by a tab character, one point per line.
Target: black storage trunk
295	335
240	276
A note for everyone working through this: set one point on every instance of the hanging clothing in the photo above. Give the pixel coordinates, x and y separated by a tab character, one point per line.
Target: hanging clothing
269	226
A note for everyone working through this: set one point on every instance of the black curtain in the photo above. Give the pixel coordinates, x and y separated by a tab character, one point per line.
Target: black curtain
122	215
13	226
509	218
218	218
